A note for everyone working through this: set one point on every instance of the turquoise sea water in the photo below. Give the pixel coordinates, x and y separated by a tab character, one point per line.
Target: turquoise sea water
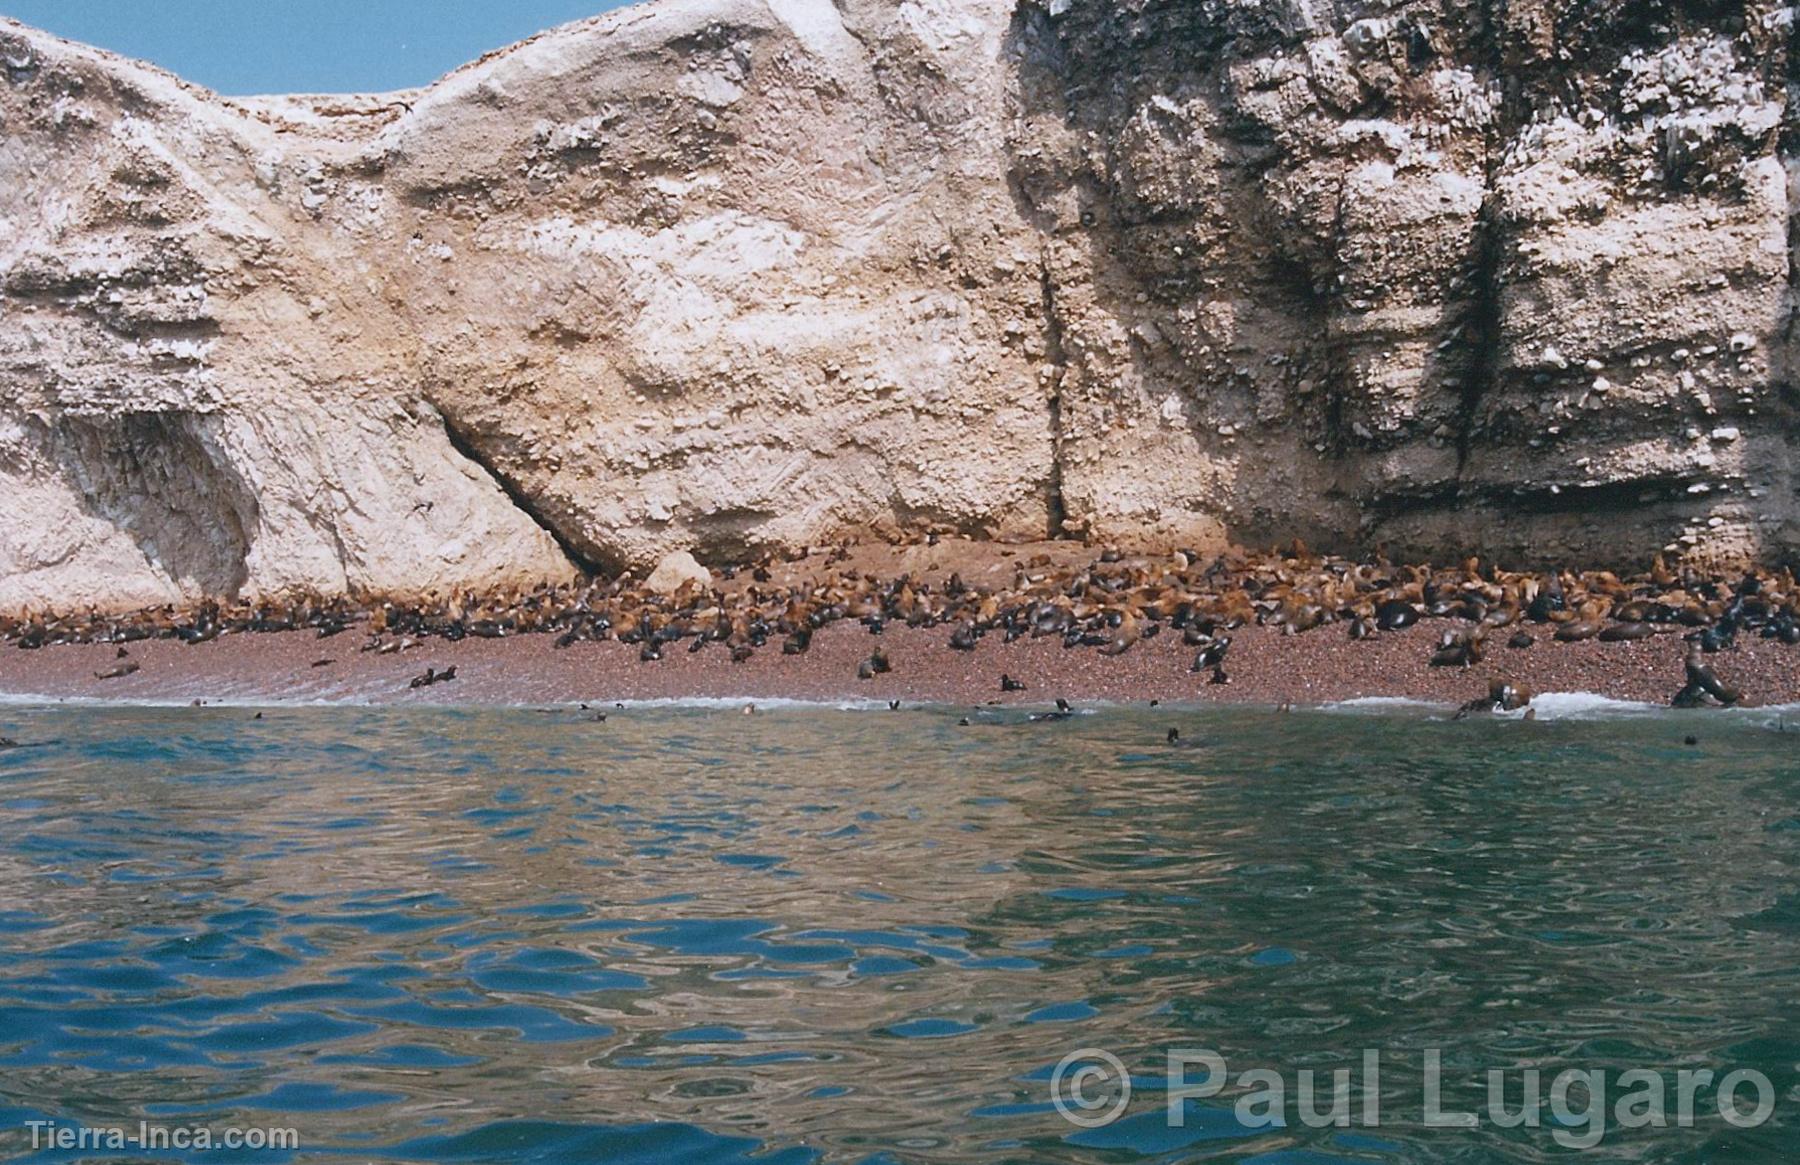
689	935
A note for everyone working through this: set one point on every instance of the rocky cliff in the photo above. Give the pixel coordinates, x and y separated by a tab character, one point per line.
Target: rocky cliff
738	275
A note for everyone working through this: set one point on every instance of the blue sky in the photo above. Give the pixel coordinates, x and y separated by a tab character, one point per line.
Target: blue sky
302	46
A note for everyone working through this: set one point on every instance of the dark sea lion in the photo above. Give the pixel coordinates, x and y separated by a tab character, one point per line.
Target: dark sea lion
1008	684
1395	615
1458	648
1626	632
1063	712
117	670
1173	740
1521	639
1212	656
432	676
1702	683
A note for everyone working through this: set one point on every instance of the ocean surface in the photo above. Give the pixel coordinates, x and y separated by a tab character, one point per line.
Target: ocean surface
689	935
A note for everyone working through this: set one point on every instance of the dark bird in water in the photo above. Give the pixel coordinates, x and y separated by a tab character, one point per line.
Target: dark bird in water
432	676
1212	655
1174	740
1008	684
1690	740
117	670
1520	640
1703	683
1063	711
963	723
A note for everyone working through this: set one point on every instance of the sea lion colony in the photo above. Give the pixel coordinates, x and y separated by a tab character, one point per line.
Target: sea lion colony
1108	604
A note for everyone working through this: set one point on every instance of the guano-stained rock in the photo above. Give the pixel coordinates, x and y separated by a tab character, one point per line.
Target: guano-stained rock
726	276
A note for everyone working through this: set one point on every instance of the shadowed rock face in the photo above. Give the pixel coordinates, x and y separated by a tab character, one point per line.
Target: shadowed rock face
734	275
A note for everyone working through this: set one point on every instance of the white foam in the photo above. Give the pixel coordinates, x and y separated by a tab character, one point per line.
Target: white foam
1380	704
1586	706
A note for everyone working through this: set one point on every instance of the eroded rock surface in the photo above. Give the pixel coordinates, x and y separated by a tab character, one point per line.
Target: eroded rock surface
733	275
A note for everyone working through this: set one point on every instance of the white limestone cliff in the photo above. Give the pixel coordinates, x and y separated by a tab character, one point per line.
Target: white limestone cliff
726	276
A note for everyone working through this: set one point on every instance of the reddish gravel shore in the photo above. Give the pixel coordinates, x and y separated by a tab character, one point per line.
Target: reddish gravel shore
1318	667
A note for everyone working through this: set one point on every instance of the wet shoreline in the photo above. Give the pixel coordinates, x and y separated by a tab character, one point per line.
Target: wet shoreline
952	618
1264	667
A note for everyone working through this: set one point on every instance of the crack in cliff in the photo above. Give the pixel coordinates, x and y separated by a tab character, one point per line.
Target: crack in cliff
1056	507
1485	312
461	442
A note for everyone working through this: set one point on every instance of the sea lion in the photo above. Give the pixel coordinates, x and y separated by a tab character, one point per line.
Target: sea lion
963	638
1173	740
432	676
1520	640
1212	656
1008	684
322	662
1626	632
1578	630
1395	615
1063	712
1702	683
1501	697
117	670
1458	648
